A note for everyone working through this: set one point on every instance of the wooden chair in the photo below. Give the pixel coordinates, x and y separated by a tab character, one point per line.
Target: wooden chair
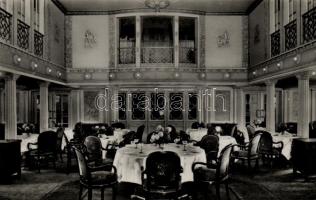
93	152
268	149
161	179
210	144
96	177
214	175
44	150
249	152
139	133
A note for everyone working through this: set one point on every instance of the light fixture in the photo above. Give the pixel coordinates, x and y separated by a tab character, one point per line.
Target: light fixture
227	75
59	74
34	66
176	75
264	69
111	75
254	73
17	59
202	75
137	75
87	76
49	70
157	4
297	58
313	73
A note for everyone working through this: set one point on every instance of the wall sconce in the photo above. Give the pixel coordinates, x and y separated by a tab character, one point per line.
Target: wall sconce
59	74
297	58
87	76
202	75
227	75
112	76
313	73
137	75
34	66
17	59
280	64
176	75
254	73
264	69
48	70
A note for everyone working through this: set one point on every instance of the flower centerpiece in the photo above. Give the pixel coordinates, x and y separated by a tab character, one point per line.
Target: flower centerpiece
157	138
27	128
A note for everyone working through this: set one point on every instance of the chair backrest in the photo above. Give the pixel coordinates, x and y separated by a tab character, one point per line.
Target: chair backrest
239	136
195	125
47	142
291	127
173	133
266	142
224	162
93	148
184	136
128	138
163	170
202	125
251	131
140	132
209	143
254	144
82	164
60	135
118	125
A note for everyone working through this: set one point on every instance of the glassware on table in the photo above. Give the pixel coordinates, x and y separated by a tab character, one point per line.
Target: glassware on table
135	142
184	142
141	148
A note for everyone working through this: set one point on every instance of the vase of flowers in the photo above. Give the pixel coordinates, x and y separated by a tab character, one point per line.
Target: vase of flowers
157	138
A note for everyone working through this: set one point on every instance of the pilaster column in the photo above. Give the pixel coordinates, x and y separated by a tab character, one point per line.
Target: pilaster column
138	41
240	107
303	105
176	42
10	107
270	111
114	104
44	106
76	109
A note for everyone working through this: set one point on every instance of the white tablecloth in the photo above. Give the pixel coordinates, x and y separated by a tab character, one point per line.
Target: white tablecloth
32	138
128	160
287	140
197	134
224	141
119	133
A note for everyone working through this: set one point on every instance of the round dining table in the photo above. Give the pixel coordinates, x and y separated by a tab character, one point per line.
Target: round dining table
129	160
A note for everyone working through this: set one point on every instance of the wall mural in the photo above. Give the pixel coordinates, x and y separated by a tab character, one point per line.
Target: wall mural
223	40
91	114
89	39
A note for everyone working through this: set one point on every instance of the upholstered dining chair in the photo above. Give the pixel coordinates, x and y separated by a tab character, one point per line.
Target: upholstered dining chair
210	144
139	133
93	152
249	152
161	178
269	150
44	150
216	175
96	177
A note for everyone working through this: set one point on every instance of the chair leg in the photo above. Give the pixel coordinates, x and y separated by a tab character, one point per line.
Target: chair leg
102	193
218	195
114	191
89	193
80	192
227	189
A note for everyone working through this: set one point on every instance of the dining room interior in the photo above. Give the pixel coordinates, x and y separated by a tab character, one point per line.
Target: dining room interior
157	99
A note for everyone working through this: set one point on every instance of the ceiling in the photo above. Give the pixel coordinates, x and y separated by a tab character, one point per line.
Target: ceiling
208	6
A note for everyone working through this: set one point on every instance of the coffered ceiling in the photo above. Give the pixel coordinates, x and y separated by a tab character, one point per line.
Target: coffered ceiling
208	6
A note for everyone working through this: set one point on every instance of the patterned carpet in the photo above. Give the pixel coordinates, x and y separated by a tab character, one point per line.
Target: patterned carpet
266	184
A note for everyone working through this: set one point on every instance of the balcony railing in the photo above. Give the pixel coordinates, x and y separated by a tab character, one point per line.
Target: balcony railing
157	55
187	55
23	35
275	43
126	55
38	43
5	25
309	25
290	31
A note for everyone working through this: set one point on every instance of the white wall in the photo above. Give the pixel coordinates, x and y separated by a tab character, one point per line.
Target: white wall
223	57
96	56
